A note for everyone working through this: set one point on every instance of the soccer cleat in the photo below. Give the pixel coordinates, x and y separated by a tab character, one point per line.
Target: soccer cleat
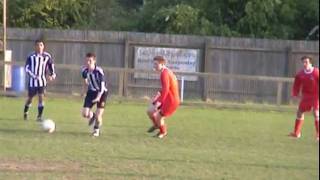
152	129
161	135
25	116
96	133
294	135
39	119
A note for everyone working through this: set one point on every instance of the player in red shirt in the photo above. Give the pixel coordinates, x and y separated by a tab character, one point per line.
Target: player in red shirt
165	102
306	82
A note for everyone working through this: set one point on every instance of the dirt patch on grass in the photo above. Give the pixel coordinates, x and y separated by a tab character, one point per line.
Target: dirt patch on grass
39	166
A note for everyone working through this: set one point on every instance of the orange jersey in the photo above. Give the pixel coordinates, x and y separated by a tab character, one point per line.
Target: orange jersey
169	97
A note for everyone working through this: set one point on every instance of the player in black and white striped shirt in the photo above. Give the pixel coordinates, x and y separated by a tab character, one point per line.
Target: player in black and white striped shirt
96	94
39	64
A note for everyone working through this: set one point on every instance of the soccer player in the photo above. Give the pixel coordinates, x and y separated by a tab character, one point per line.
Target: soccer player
306	82
39	64
97	93
165	102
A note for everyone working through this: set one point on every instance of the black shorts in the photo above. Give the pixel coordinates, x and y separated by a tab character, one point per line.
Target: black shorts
32	91
91	95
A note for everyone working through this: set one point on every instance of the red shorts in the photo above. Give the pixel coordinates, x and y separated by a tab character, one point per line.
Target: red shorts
168	109
309	104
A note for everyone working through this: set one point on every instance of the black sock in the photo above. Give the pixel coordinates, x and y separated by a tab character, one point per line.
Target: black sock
40	111
96	125
93	116
26	109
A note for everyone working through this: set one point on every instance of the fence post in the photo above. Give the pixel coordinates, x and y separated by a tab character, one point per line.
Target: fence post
290	73
121	81
279	93
182	89
126	66
205	69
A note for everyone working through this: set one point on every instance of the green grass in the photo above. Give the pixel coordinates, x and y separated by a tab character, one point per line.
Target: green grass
203	143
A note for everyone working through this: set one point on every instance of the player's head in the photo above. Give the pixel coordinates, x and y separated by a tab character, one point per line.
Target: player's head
159	63
91	60
307	62
39	46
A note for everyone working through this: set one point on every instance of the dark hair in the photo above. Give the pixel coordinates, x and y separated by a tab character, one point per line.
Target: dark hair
160	59
307	57
90	55
39	41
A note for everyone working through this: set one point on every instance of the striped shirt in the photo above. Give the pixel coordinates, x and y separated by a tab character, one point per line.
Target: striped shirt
37	65
96	79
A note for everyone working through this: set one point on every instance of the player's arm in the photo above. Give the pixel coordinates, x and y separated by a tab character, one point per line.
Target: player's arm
156	98
296	86
52	74
84	87
84	74
28	70
165	88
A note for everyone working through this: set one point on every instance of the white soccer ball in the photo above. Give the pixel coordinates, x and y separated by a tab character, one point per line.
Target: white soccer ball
48	125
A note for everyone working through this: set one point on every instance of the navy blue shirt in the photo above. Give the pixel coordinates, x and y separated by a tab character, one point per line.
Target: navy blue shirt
96	79
37	65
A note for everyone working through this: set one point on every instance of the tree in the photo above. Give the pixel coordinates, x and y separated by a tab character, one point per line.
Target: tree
180	19
50	13
285	19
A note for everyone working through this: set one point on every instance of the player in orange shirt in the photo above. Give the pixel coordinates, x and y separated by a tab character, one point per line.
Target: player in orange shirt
306	82
166	102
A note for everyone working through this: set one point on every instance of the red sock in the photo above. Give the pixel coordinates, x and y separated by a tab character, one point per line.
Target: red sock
298	126
316	124
163	129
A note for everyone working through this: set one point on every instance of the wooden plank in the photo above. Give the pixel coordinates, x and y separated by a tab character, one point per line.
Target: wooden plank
126	66
205	93
279	93
143	86
121	86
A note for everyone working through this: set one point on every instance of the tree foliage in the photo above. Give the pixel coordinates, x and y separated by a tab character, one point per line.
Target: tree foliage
50	13
285	19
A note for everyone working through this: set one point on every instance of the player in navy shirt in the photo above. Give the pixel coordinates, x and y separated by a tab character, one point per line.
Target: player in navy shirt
39	64
96	93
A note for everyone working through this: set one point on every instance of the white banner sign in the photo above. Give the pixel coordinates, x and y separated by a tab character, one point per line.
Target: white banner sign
178	60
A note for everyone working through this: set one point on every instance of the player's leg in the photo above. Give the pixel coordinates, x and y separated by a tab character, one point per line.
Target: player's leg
316	122
98	122
298	124
40	92
151	112
304	106
27	105
88	114
99	113
160	119
87	105
26	108
166	110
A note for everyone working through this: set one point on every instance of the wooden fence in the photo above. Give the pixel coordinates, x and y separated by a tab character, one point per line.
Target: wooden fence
209	87
260	69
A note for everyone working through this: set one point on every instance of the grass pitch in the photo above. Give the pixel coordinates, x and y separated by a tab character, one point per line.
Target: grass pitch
203	143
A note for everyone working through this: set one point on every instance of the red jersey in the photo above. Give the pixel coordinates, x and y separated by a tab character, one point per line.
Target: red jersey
307	83
169	97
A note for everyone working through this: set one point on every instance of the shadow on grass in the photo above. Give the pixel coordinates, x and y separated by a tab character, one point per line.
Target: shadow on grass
248	164
10	119
34	131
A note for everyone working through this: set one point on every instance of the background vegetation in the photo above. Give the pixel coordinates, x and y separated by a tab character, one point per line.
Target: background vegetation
279	19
